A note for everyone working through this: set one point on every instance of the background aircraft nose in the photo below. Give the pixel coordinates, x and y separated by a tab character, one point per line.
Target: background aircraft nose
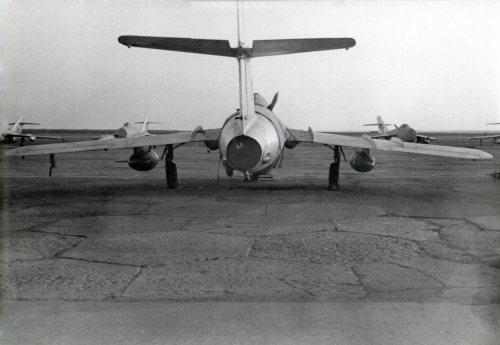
244	152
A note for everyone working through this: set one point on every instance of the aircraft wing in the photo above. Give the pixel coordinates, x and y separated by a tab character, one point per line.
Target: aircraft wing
20	135
486	137
107	143
382	136
365	141
425	137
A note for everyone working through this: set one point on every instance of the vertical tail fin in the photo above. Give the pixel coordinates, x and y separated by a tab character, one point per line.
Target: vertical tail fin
18	126
144	126
247	106
382	128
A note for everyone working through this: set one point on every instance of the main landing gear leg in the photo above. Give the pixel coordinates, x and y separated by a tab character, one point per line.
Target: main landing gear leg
171	169
333	175
52	163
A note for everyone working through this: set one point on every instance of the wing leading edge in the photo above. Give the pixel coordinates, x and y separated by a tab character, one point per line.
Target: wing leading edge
366	142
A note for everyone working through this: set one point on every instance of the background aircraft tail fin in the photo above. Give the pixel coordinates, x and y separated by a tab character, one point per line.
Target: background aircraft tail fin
145	123
382	127
18	125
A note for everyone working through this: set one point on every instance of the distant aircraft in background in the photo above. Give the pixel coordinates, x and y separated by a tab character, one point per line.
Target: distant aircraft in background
141	160
403	132
14	133
495	137
252	140
128	130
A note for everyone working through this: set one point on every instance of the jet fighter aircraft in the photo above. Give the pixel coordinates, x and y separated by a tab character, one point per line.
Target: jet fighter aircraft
495	137
403	132
252	139
14	133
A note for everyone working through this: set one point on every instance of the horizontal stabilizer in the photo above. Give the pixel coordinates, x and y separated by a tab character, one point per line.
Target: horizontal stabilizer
24	123
187	45
222	47
292	46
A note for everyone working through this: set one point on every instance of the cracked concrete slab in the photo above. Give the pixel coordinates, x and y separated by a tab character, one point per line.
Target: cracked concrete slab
224	280
439	249
448	209
115	225
263	221
469	238
409	228
334	248
472	295
491	223
256	226
28	245
245	279
322	211
170	197
14	225
151	249
80	210
63	279
197	210
389	278
455	274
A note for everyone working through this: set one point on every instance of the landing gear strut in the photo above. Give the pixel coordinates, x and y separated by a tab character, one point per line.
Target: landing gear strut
333	174
171	169
52	163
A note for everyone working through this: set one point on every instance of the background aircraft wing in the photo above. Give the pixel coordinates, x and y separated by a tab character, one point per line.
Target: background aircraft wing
395	144
107	143
493	136
425	137
20	135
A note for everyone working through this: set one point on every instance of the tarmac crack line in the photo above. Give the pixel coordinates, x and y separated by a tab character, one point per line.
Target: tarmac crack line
58	254
378	235
358	277
134	277
422	272
100	262
185	224
282	280
250	247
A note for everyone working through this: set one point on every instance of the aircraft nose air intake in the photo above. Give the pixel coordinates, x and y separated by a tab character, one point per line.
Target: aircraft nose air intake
244	152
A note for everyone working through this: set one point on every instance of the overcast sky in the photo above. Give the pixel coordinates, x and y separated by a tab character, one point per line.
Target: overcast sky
432	64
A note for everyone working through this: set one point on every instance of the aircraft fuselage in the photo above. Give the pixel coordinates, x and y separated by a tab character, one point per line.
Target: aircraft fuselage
405	133
260	148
